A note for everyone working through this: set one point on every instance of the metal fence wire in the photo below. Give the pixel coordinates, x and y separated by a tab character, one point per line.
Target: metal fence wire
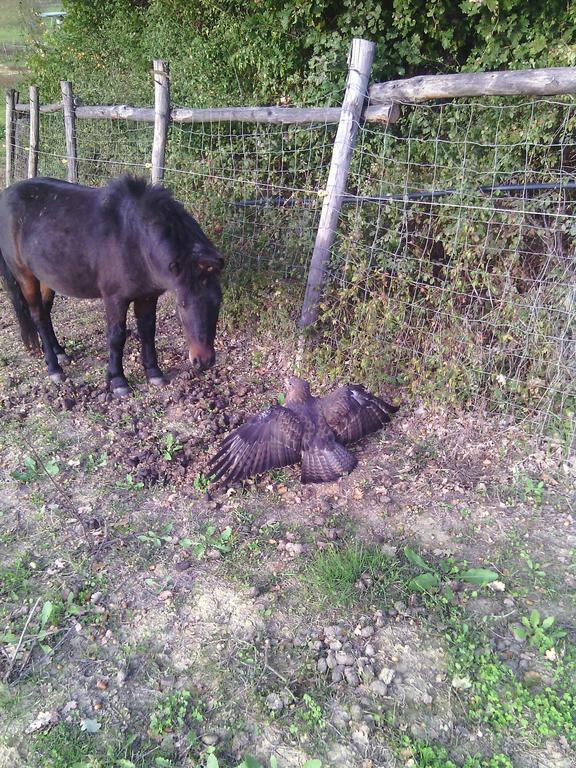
454	265
453	270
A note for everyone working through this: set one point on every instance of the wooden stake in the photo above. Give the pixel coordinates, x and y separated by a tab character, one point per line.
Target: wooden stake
34	132
360	64
70	130
11	99
161	118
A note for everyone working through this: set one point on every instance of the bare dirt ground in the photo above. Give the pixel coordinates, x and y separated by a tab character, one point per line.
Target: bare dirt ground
148	619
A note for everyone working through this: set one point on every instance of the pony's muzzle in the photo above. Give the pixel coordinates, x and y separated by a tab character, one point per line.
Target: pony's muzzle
201	357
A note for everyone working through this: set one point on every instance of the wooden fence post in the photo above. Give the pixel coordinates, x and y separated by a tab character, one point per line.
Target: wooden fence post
34	132
11	116
70	129
161	118
359	67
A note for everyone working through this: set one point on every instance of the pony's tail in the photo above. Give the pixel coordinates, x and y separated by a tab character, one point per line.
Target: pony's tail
27	328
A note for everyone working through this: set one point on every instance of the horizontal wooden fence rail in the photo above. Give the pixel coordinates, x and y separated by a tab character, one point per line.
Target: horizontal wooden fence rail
381	113
554	81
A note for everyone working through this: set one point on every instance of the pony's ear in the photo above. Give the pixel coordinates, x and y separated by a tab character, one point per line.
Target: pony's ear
210	262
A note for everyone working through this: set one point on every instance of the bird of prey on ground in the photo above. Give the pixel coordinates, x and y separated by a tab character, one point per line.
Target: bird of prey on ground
313	430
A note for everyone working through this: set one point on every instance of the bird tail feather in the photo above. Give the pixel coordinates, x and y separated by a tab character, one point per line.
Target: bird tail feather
323	464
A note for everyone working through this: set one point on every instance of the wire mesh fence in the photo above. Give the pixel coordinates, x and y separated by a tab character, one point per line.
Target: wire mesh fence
469	294
453	270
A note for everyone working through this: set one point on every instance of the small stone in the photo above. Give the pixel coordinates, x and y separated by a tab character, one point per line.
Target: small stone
360	736
367	631
335	645
253	592
367	673
386	675
370	650
95	598
337	674
356	713
165	595
331	660
274	702
351	676
344	658
183	565
102	685
322	665
210	739
379	688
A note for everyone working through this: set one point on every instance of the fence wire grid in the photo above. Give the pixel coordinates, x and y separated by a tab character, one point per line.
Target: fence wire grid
461	291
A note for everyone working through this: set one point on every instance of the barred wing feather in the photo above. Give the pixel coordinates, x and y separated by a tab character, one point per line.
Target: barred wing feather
271	439
352	412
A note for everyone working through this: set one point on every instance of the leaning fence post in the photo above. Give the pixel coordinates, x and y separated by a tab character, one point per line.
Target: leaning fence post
161	118
359	67
70	129
34	132
10	133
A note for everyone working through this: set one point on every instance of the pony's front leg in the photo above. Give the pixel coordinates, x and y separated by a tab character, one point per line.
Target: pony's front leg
145	312
116	310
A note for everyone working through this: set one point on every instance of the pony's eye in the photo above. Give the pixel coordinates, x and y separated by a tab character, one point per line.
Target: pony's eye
174	267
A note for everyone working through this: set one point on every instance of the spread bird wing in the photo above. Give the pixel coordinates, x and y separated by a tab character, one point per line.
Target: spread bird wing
352	412
273	438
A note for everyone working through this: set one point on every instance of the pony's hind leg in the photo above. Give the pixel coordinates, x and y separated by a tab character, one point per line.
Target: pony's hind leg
116	310
145	311
30	286
47	302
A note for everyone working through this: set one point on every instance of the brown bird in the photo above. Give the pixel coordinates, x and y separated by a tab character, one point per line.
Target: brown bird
311	429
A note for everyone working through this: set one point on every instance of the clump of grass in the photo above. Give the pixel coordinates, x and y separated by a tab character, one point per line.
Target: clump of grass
342	574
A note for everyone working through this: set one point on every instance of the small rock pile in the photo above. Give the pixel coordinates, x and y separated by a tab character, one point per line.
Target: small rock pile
352	658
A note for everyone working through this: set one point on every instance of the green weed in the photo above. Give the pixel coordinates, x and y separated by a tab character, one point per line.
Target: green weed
210	539
172	714
170	446
431	579
33	470
129	484
493	695
156	539
201	482
539	632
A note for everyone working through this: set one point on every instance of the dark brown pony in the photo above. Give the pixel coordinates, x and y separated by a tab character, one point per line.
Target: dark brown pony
127	242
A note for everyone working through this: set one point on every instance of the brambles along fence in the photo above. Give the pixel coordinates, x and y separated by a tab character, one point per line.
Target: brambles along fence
439	221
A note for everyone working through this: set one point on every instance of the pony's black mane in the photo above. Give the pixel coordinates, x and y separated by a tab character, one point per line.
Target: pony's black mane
129	198
139	189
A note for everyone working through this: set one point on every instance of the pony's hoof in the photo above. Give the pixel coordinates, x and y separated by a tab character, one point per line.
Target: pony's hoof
157	381
63	358
121	391
57	377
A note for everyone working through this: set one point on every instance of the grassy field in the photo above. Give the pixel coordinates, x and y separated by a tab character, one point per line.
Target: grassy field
14	17
420	613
